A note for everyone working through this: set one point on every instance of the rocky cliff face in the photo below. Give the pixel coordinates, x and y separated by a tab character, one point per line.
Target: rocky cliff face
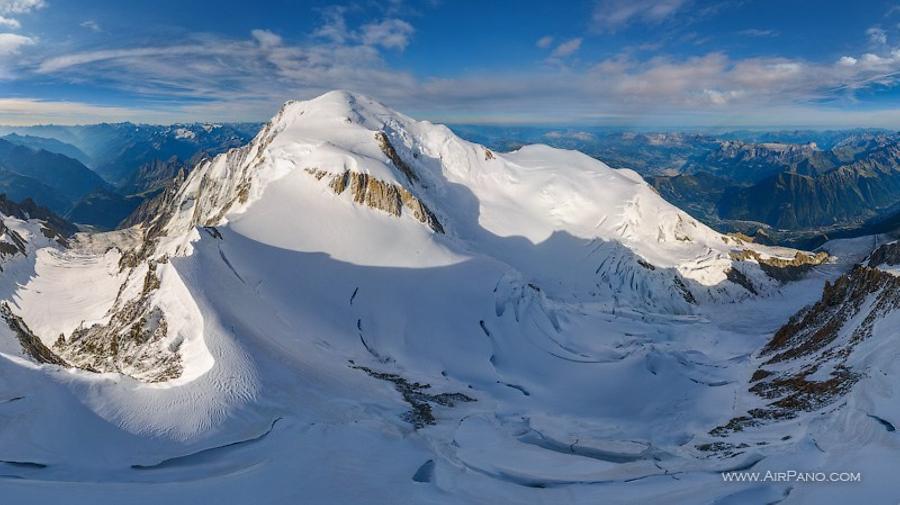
130	343
32	346
391	198
812	362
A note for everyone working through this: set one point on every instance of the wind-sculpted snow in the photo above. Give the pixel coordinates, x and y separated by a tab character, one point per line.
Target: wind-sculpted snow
462	326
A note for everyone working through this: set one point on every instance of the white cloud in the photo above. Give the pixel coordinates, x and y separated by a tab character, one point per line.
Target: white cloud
576	135
390	34
204	77
91	25
567	48
228	79
11	43
544	42
122	56
248	75
16	7
266	38
719	98
335	26
10	23
877	36
610	15
26	111
756	32
20	6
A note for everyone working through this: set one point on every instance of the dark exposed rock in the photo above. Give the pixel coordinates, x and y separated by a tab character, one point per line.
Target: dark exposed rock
760	375
413	393
646	264
153	215
684	290
886	254
14	243
722	448
888	426
31	344
820	337
213	232
736	276
58	228
377	194
818	326
781	269
385	144
130	343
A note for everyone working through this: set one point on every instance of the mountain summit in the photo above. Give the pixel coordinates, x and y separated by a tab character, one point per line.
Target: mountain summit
441	321
558	217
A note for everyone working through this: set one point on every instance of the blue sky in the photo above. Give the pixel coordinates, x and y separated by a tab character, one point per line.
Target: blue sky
667	63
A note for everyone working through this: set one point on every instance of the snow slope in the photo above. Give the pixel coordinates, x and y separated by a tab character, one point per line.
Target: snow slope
359	307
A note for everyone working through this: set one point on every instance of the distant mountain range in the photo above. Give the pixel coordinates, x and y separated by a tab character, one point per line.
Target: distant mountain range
49	144
52	179
793	187
98	174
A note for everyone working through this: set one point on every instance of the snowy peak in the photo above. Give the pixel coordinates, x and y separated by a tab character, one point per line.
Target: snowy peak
338	108
345	161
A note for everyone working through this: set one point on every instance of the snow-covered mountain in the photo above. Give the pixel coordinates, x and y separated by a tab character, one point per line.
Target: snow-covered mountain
361	307
558	217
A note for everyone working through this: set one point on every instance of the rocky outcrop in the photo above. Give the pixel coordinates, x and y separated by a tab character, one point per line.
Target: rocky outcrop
131	342
814	328
392	155
11	243
57	228
51	226
377	194
736	276
886	254
805	365
31	344
783	269
149	210
420	414
134	341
